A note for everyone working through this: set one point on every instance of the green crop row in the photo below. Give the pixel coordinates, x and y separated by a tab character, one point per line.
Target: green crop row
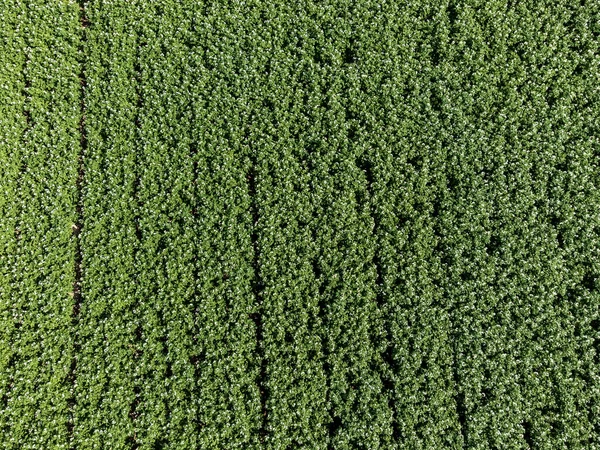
227	367
110	320
41	145
294	380
13	123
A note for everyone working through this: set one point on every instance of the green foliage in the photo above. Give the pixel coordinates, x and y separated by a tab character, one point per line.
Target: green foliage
13	123
40	147
346	224
110	319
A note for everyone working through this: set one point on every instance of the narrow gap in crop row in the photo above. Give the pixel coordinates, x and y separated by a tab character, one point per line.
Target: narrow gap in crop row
335	421
23	162
28	127
446	261
257	288
439	56
137	73
459	396
527	434
26	112
195	359
78	225
388	356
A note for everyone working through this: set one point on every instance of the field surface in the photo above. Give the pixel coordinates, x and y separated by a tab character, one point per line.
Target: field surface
295	224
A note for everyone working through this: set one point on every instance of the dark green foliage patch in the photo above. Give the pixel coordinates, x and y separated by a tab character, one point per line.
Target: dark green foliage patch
344	224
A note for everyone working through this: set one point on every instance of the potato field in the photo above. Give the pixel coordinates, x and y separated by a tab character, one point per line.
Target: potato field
299	224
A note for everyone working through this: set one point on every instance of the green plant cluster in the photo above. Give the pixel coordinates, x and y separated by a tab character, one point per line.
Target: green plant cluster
344	224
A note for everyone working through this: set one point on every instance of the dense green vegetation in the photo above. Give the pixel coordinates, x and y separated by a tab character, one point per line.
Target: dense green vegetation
344	224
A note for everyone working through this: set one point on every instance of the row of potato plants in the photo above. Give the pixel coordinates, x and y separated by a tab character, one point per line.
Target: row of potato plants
39	161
